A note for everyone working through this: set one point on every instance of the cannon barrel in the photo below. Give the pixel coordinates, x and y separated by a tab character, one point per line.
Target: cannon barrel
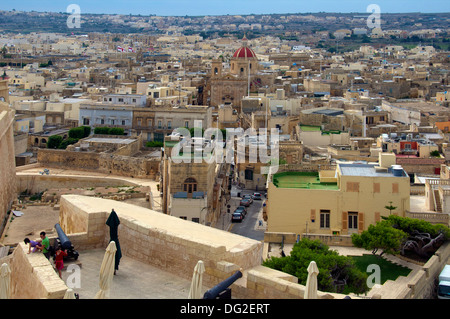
63	239
217	289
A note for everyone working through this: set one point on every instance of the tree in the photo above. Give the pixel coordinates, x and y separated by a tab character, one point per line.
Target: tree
390	207
67	142
76	132
333	268
395	234
380	236
54	141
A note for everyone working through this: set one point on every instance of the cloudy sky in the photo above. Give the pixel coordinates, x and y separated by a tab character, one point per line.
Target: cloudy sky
221	7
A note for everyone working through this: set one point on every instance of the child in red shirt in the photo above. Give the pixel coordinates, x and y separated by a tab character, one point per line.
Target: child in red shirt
59	256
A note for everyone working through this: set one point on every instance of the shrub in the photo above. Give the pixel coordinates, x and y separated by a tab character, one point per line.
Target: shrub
332	266
76	132
67	142
101	130
116	131
154	144
54	141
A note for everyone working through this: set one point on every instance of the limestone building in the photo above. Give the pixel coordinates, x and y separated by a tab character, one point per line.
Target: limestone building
230	87
7	164
334	202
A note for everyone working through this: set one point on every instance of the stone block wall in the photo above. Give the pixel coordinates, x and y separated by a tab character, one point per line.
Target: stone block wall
167	243
33	276
7	163
40	183
100	162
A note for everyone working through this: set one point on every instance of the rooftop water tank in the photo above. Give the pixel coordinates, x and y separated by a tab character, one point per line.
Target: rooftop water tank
397	170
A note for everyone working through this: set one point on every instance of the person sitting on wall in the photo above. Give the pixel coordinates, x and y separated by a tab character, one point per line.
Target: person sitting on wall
32	244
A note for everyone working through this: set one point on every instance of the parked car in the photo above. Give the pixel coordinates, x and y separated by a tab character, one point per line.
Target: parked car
237	217
241	209
249	197
245	202
257	196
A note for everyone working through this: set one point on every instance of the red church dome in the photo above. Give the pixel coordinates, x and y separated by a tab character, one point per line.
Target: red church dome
244	52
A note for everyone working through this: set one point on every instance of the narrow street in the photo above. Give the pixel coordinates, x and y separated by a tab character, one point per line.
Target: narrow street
250	226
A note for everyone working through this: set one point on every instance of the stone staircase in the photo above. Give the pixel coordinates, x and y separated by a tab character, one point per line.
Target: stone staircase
437	201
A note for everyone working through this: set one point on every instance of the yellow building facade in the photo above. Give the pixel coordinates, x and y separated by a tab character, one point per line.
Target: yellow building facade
337	202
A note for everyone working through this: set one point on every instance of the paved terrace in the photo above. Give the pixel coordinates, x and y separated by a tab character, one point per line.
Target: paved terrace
134	280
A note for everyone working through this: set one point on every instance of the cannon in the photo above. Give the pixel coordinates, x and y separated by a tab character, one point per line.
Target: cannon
63	241
221	290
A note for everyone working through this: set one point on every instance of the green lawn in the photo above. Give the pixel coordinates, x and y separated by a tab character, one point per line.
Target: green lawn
388	270
307	180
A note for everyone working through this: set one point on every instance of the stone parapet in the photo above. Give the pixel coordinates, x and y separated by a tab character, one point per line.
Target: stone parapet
33	276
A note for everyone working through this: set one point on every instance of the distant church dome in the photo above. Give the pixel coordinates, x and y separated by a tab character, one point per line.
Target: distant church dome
244	51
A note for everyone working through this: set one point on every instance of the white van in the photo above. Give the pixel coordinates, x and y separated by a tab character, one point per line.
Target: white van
444	283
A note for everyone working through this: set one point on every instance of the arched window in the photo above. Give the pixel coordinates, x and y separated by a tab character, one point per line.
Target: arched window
190	185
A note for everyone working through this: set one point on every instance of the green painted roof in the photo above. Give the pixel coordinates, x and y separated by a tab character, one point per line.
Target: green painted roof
304	180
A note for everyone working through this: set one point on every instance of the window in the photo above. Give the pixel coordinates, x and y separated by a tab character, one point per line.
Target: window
324	219
249	174
123	122
352	221
102	121
352	186
395	188
149	123
186	124
407	146
159	124
120	99
190	185
155	95
85	121
169	124
376	187
196	219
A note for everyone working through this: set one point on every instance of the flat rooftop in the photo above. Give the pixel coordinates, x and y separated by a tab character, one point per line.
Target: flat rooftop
305	180
367	170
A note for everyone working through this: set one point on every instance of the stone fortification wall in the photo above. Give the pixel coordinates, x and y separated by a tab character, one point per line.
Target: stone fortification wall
107	163
39	183
7	162
33	277
176	245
